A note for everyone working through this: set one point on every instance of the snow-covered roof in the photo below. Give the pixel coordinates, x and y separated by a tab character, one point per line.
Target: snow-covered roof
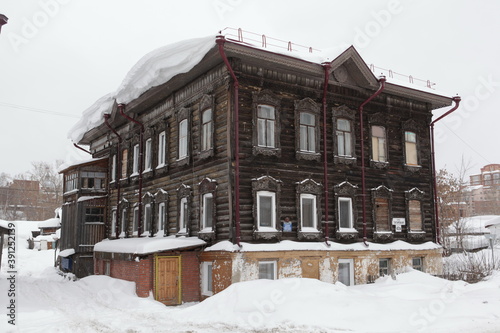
90	197
68	165
145	245
66	253
50	223
320	246
474	224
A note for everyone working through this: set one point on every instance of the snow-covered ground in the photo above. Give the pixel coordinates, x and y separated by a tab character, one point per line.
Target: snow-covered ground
414	302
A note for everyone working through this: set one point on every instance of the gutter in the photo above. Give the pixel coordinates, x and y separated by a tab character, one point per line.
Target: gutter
457	100
118	169
121	108
326	67
381	80
220	40
82	149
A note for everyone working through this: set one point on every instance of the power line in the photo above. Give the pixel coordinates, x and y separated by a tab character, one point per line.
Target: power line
37	110
465	142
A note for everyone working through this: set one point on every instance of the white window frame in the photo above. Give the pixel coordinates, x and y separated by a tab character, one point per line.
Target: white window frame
346	138
162	140
379	144
274	269
113	168
135	165
418	267
350	262
411	155
146	224
204	215
183	139
135	222
107	267
388	261
273	209
182	218
206	278
113	222
123	223
269	126
315	211
351	215
206	130
307	133
161	216
148	160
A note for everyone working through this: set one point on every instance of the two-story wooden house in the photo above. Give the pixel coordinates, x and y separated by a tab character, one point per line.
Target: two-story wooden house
229	162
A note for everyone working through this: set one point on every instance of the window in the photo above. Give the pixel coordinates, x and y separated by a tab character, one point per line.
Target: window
162	143
345	213
94	215
344	137
107	267
417	264
265	126
113	223
307	132
135	226
71	182
308	216
123	223
266	211
161	216
206	130
147	219
267	270
135	166
207	211
384	267
124	163
93	180
346	271
149	158
415	215
183	215
411	148
379	151
206	279
183	139
382	219
113	168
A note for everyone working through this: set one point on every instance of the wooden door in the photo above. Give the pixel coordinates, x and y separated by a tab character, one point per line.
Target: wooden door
310	268
168	280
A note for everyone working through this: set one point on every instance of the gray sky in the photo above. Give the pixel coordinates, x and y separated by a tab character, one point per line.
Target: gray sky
57	57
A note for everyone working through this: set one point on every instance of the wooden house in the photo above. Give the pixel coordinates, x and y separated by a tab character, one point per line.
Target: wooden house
239	162
83	214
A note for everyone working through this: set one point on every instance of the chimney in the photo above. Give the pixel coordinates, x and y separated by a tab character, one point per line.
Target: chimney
3	20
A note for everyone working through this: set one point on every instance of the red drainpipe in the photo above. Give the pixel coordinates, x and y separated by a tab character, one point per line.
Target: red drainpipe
85	150
326	67
220	42
121	107
457	100
361	128
118	169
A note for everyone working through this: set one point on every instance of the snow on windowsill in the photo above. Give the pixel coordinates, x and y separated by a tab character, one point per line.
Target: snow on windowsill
266	229
348	230
161	166
309	230
66	253
147	170
206	230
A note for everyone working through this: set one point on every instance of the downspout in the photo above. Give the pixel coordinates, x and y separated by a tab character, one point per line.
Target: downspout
361	128
83	149
118	169
220	42
326	67
457	100
121	107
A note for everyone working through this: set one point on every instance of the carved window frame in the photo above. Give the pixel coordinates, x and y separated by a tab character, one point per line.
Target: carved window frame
148	229
381	235
346	190
415	195
307	105
270	185
207	102
344	112
161	128
207	187
379	119
184	193
309	187
184	114
161	199
266	97
412	126
124	218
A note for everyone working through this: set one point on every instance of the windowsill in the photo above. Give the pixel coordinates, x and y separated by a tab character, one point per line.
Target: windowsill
266	151
412	168
267	233
147	170
379	164
348	230
348	160
309	230
416	232
183	161
161	166
307	155
135	174
206	230
347	234
207	293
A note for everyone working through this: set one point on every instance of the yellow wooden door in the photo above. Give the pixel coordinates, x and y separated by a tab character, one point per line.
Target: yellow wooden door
168	280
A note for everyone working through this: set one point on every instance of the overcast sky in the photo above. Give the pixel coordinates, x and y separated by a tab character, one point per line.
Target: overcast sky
57	57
